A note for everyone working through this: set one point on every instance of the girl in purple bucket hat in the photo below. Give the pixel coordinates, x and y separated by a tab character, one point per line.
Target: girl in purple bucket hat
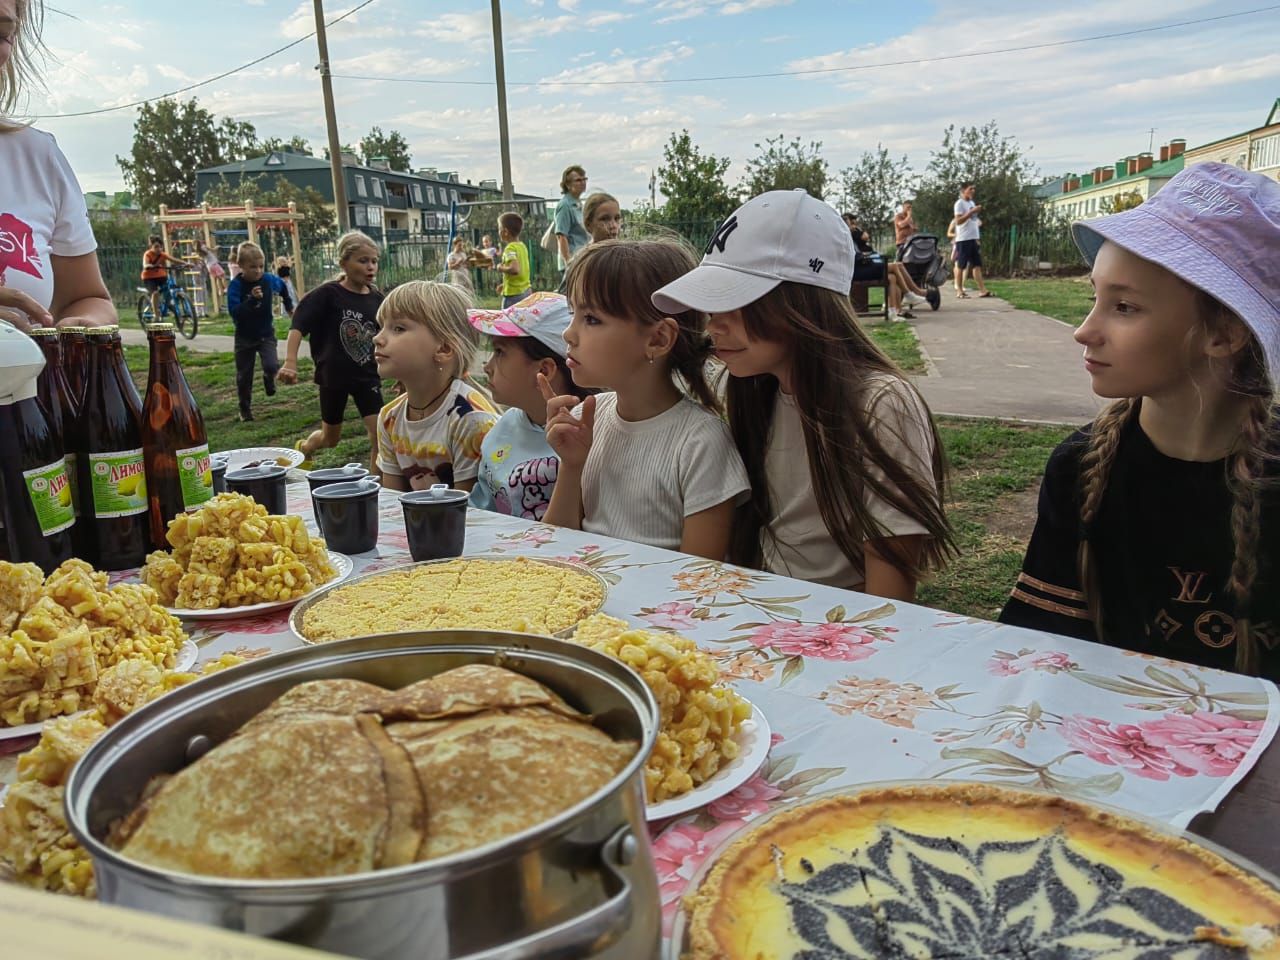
1159	523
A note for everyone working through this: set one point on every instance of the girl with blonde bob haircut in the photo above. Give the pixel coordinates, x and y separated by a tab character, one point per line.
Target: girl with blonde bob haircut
432	432
645	461
1159	523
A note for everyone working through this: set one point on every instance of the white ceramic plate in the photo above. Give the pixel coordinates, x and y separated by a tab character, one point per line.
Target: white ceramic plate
753	739
247	455
340	561
187	654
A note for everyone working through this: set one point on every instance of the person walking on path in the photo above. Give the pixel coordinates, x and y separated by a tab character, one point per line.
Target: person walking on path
968	255
571	233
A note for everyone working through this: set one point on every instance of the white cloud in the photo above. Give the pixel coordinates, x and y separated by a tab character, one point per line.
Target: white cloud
570	5
629	68
735	7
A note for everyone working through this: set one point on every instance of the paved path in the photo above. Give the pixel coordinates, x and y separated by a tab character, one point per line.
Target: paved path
989	359
203	343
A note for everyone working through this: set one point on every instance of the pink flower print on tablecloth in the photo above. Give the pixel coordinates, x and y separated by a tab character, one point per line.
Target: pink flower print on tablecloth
1004	664
672	615
749	800
1123	745
1212	744
820	641
677	855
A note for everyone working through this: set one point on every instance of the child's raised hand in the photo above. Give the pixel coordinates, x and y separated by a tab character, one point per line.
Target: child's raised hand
569	436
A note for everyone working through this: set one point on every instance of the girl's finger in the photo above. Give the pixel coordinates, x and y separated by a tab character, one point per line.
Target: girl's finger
589	412
545	388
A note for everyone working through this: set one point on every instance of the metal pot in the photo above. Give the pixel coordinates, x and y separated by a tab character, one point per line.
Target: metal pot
579	885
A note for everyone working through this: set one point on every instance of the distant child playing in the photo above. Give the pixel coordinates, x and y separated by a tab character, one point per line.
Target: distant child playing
340	317
518	468
432	432
515	260
645	462
249	299
217	276
155	272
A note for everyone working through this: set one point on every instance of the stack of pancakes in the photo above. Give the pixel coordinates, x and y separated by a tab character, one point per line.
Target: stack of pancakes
338	777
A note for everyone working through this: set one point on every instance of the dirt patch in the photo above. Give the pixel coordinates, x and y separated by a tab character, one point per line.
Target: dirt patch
1014	514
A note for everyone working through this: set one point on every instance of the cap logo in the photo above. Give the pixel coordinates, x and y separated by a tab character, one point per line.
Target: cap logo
721	235
1210	198
816	265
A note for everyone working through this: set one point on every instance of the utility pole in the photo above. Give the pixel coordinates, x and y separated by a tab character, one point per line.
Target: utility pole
504	140
1151	140
331	122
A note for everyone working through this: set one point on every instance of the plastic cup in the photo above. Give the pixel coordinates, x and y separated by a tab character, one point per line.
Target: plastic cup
265	483
322	478
436	522
348	515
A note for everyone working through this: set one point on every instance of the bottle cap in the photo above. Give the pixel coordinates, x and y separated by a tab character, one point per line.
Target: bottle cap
163	327
73	329
38	332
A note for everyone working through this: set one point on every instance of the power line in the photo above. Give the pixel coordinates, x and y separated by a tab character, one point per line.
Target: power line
201	83
819	70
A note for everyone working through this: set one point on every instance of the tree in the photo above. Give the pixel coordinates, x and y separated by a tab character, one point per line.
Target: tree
873	188
1120	202
295	143
319	223
784	166
995	164
171	141
391	146
343	148
693	182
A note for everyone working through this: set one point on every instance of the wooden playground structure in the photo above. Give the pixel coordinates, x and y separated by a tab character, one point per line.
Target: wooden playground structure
203	218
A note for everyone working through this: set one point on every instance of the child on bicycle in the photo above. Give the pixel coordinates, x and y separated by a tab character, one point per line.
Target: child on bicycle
249	303
155	272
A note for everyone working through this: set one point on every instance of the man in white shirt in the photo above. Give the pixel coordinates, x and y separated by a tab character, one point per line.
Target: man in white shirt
966	253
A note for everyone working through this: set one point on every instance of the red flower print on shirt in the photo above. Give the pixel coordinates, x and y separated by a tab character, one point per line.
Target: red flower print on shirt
18	248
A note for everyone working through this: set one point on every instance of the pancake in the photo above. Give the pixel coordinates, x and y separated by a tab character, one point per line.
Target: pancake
470	689
339	697
493	774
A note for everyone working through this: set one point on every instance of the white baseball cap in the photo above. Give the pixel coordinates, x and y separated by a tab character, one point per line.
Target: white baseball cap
543	316
779	235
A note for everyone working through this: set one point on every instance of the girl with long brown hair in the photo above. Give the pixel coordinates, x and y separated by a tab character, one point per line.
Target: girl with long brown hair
647	461
845	463
1159	527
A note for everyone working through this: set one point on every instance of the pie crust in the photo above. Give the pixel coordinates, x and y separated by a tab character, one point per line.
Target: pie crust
972	871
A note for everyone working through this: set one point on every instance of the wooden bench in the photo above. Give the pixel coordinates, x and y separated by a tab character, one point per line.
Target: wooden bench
859	294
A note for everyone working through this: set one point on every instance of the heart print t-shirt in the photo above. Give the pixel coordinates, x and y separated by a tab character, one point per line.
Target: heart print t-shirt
341	325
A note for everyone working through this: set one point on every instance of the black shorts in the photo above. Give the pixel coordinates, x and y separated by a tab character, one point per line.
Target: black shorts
333	401
155	284
869	269
967	254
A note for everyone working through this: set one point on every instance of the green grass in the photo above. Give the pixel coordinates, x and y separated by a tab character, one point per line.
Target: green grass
1068	299
995	466
899	341
994	469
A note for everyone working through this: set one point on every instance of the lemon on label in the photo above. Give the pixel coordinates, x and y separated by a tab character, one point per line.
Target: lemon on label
135	484
64	496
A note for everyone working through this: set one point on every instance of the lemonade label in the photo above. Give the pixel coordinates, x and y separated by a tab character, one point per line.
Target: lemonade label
195	473
119	483
50	493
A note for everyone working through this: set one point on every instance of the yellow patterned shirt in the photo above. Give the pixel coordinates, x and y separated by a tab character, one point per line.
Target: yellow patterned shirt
441	448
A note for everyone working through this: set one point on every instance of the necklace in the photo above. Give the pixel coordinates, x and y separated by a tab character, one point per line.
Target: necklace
433	399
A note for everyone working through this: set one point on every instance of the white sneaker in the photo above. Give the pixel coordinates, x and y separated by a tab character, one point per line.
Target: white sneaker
893	314
913	299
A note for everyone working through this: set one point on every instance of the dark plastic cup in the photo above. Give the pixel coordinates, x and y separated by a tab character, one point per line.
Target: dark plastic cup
348	515
218	465
322	478
265	483
436	521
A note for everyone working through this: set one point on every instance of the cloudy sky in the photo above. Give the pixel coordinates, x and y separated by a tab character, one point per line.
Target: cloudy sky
1074	105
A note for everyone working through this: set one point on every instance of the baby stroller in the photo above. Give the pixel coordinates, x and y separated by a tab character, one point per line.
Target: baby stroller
924	264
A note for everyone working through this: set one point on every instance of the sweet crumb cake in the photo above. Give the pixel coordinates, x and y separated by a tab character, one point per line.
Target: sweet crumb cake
966	872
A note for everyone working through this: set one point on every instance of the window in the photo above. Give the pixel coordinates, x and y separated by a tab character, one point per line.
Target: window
455	195
377	186
417	194
431	196
361	212
360	190
1266	152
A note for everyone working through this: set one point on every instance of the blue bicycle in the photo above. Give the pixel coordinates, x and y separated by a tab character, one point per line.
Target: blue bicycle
174	304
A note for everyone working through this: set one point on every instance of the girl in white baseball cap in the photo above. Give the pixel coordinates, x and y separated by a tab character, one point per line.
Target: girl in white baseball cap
845	463
1159	523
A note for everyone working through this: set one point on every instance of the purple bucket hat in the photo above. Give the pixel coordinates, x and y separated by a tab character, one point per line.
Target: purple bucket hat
1218	228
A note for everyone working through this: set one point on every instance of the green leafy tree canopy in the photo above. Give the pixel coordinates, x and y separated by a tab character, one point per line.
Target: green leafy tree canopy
873	188
171	141
392	146
786	165
295	143
318	226
692	182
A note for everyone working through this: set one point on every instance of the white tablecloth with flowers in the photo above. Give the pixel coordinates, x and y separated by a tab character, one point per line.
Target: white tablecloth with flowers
857	689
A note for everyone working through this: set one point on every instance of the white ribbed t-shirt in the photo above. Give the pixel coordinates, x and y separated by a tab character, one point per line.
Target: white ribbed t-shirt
642	478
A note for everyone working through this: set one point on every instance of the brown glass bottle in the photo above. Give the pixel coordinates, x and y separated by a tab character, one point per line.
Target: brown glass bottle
112	474
55	394
179	475
127	386
75	360
37	505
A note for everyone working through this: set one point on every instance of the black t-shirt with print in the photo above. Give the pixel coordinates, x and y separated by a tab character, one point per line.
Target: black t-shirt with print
1163	548
341	325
